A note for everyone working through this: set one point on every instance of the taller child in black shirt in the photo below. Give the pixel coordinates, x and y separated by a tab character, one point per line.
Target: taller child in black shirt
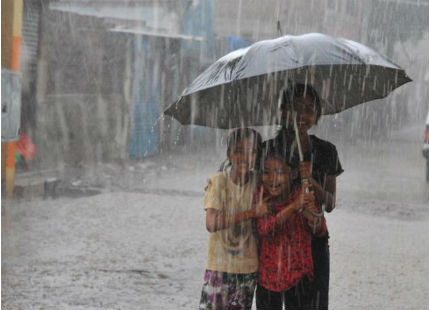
320	162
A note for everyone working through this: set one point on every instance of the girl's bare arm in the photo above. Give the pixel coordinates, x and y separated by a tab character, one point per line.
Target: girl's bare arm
308	207
314	222
215	220
284	214
326	196
267	224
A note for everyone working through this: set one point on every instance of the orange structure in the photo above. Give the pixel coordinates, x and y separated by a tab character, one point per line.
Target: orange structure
11	24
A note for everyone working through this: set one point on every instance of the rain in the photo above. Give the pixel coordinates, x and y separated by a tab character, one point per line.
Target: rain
111	131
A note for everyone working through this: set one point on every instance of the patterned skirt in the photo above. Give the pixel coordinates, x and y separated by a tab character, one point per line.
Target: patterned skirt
227	291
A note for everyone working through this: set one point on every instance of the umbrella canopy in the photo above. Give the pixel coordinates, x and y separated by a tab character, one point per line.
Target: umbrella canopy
243	87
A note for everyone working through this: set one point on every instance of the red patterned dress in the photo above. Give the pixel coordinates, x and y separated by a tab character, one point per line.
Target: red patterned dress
285	250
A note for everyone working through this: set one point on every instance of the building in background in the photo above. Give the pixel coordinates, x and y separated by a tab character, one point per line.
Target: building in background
99	73
106	70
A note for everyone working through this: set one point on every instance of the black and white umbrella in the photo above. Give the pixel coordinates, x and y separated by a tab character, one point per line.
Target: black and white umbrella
242	88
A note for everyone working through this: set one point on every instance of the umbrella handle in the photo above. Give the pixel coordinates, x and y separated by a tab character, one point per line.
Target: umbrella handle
298	141
301	158
308	189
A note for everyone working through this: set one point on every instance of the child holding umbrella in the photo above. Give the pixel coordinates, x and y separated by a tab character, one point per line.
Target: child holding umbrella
319	165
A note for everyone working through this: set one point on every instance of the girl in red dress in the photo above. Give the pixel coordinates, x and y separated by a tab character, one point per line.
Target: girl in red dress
286	267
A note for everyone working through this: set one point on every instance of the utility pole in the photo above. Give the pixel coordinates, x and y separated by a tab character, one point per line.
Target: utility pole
11	26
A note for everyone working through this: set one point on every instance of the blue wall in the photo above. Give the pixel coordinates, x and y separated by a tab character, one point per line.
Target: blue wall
145	94
197	17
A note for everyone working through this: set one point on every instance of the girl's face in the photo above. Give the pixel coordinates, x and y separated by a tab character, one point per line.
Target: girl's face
276	177
305	109
243	155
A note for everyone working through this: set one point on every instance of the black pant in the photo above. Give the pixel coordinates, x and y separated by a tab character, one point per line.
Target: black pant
300	297
320	252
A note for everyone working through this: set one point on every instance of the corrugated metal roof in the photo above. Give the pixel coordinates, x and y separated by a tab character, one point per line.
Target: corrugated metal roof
111	11
157	34
151	20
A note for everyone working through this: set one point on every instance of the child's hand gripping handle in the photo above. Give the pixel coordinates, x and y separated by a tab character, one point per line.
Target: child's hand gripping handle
305	172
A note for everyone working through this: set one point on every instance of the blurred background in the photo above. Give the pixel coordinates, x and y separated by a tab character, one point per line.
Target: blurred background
96	75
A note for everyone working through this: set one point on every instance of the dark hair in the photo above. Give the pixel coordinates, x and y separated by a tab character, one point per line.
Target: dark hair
243	133
273	150
302	91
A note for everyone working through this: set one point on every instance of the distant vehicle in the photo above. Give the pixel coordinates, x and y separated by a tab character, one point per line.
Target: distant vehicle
426	147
